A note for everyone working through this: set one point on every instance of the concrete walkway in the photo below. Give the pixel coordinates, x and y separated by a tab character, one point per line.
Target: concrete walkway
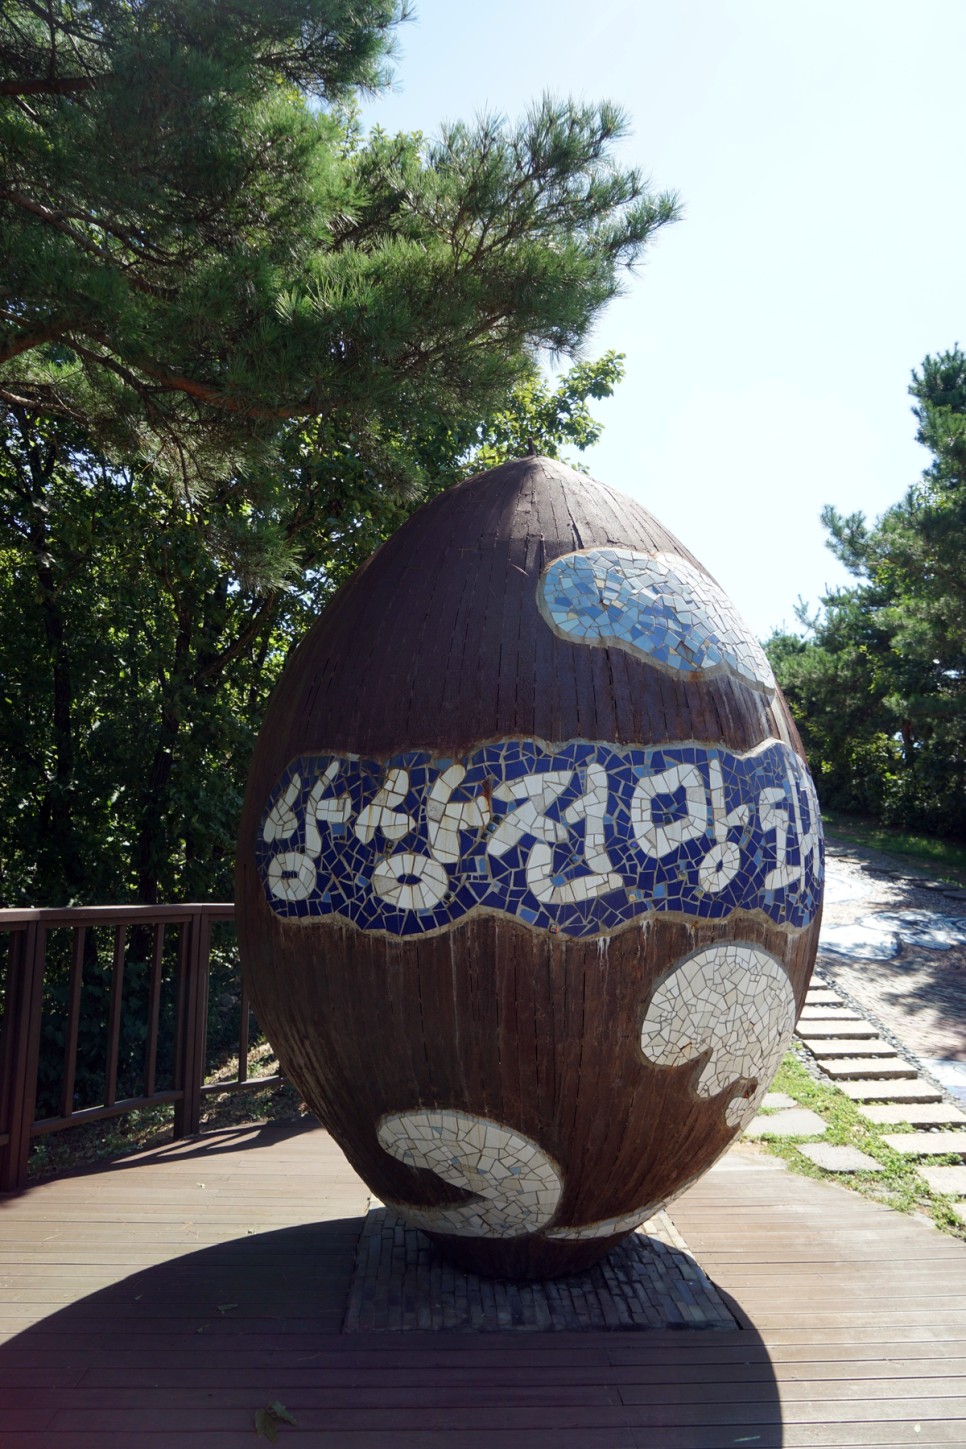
895	942
889	990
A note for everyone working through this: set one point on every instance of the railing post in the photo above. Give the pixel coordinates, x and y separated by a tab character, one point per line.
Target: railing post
192	1025
20	1050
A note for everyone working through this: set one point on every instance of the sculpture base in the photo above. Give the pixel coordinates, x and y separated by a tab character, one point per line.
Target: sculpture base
403	1284
524	1259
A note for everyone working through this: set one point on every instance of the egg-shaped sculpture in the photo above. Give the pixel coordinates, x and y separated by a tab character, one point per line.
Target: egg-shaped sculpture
530	870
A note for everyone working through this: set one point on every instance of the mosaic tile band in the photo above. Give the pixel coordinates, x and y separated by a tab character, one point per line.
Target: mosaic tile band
579	839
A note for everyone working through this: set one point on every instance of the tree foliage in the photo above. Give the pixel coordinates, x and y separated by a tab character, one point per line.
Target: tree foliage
880	689
143	631
198	244
239	340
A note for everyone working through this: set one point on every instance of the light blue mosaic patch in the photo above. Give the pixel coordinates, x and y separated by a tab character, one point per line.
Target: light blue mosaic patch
657	606
578	838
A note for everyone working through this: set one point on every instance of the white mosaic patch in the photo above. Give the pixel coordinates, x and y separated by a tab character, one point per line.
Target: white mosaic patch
606	1227
734	998
657	606
516	1187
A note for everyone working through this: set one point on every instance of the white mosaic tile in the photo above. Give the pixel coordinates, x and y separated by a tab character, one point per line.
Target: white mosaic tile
410	882
606	1227
292	876
516	1186
657	606
281	820
384	813
734	999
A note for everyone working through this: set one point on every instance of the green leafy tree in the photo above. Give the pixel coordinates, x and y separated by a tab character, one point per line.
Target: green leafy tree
543	419
833	687
143	631
880	690
239	340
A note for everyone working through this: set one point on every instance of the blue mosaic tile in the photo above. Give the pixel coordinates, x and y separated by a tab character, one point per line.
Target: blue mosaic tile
394	846
658	606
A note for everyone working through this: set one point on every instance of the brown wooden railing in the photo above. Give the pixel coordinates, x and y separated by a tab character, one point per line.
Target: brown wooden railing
27	935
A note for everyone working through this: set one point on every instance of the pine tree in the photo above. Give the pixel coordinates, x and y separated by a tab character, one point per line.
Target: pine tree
880	690
198	244
238	340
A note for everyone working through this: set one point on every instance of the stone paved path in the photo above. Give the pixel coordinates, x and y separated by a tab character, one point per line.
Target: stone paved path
885	1018
918	992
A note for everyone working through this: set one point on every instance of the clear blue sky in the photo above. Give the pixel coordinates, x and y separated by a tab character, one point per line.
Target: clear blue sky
818	150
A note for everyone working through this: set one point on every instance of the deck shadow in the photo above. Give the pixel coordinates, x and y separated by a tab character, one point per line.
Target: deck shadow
189	1349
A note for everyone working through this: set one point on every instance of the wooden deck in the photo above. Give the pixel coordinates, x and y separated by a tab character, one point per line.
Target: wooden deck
163	1300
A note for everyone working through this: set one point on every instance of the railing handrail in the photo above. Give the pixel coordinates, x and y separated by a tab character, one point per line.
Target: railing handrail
13	916
26	930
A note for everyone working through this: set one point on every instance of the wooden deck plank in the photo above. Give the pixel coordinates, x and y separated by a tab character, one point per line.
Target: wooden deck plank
500	1374
900	1398
795	1437
541	1414
110	1330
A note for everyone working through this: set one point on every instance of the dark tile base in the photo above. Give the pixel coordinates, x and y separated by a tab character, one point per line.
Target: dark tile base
402	1283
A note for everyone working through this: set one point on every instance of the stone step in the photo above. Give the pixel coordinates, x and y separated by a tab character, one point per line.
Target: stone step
773	1100
949	1180
852	1027
829	1013
926	1144
792	1122
850	1046
821	996
839	1159
860	1068
911	1090
917	1114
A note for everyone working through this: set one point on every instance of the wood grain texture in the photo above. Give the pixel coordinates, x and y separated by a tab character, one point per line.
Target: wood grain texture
439	623
437	644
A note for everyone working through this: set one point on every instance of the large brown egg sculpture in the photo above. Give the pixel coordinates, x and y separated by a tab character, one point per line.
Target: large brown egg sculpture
530	870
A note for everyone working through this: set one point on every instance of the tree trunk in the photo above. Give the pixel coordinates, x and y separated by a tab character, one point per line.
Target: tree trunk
152	835
56	821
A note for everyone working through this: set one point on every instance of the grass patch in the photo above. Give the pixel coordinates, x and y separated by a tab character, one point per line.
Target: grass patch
945	858
898	1185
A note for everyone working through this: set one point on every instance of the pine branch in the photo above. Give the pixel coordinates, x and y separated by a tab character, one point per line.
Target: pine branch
58	220
27	341
50	86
